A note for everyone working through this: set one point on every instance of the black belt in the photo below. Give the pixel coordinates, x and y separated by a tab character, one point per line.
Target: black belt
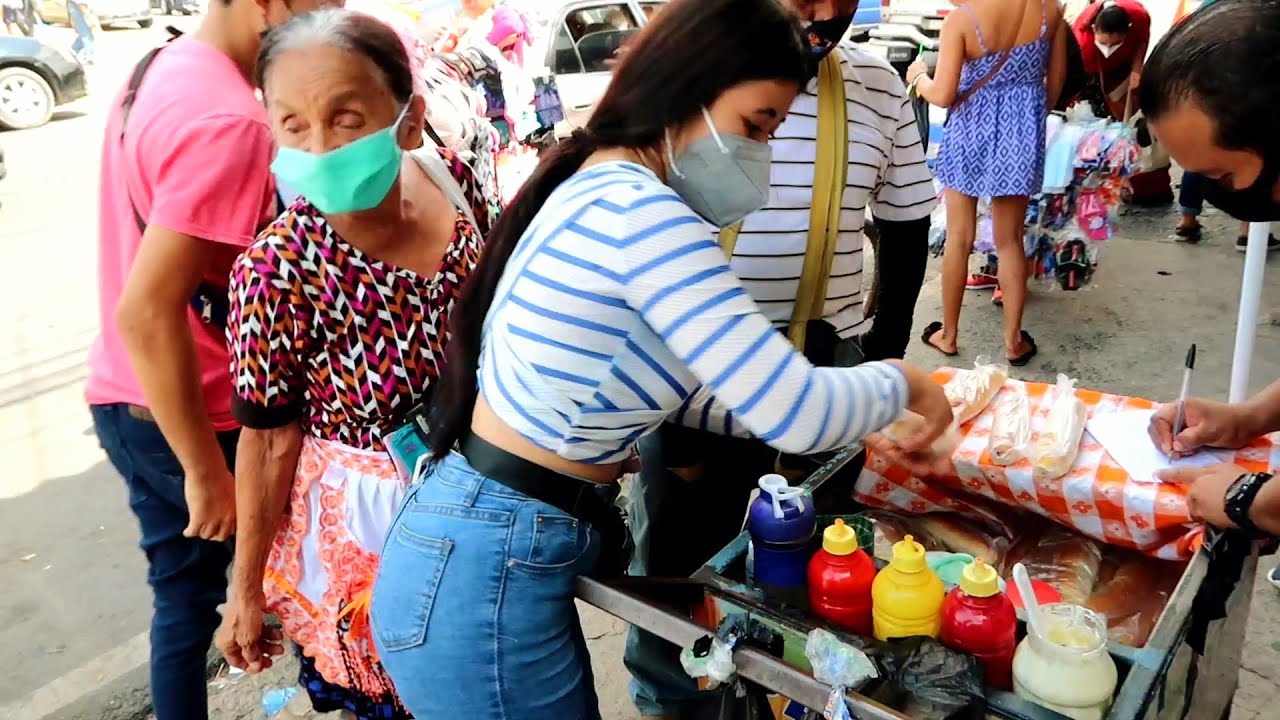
589	502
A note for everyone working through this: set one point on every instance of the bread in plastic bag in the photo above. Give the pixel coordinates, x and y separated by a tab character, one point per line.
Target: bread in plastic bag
1065	559
972	390
1058	441
1132	592
939	532
909	423
1010	439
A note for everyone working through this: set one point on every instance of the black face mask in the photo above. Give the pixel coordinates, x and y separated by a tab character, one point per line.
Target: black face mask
824	35
1255	203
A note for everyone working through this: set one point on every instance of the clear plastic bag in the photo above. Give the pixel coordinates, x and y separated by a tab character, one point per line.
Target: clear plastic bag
1064	559
908	423
1010	439
1131	592
1057	443
937	532
971	391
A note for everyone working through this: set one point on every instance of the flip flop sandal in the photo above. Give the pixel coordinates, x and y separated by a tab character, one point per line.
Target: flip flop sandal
933	329
1025	357
1189	233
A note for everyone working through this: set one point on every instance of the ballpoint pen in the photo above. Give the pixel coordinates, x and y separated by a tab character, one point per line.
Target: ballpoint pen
1186	387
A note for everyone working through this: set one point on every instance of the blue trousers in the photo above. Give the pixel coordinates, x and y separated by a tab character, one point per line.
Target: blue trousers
473	610
188	577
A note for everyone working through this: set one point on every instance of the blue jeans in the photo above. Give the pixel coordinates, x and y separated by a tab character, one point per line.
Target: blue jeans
1191	194
678	526
473	610
188	577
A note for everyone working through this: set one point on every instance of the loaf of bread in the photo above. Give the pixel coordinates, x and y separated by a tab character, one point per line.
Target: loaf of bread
957	535
1010	439
909	423
1131	592
1058	442
971	391
1065	559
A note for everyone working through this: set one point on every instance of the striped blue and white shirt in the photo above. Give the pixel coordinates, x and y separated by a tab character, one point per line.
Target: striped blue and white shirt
617	308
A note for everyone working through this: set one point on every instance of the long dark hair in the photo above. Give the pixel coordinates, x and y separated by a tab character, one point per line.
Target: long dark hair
682	61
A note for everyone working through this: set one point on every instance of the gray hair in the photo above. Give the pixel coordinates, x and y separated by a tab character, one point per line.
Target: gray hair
346	29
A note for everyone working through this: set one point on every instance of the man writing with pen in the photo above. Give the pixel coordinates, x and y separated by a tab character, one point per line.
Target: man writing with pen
1206	87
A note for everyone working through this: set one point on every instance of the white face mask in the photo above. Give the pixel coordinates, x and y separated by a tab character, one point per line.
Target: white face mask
1106	50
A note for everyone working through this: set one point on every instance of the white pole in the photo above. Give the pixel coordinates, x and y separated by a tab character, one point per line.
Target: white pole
1255	265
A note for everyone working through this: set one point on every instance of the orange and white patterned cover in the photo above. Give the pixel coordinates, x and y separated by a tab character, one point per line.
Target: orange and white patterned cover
1096	496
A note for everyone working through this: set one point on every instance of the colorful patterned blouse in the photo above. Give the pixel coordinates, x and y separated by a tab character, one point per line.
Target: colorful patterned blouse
322	332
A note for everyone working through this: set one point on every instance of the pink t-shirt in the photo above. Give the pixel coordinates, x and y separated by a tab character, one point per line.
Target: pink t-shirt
195	159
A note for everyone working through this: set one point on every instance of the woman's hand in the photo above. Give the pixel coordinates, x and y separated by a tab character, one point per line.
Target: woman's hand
241	638
927	400
918	69
1205	424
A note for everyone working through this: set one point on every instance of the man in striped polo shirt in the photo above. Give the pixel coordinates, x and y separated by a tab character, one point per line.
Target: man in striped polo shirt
690	499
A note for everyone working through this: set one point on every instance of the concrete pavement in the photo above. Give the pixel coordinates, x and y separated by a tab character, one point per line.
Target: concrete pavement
74	614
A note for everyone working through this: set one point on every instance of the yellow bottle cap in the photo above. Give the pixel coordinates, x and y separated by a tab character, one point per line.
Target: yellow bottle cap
908	555
978	579
840	539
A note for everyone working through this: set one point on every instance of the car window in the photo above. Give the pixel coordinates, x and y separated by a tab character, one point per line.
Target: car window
564	52
614	17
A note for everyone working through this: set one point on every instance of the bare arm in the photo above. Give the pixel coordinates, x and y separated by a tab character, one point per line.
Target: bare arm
1057	74
152	317
266	462
942	88
1264	410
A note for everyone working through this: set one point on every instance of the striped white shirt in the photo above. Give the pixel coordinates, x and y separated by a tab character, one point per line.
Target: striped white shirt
887	172
617	306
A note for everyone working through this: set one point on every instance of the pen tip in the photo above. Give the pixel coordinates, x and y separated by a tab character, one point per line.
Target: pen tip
1191	356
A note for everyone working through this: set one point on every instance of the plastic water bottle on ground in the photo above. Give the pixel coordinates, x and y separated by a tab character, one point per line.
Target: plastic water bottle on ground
286	703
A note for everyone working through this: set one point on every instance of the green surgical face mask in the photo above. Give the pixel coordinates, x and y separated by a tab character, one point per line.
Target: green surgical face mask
354	177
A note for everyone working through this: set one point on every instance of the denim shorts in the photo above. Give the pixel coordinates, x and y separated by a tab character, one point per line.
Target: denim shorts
473	611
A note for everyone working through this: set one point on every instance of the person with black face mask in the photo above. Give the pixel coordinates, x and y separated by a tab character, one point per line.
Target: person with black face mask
1210	93
689	499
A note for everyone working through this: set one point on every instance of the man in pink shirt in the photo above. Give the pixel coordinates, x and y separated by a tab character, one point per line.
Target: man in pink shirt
185	187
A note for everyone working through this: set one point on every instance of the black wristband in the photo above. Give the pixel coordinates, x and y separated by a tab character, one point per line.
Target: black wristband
1239	500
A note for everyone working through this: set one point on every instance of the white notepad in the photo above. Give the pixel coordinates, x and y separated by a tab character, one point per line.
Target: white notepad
1124	435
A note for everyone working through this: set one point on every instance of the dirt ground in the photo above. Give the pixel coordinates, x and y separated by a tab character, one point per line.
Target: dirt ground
1126	332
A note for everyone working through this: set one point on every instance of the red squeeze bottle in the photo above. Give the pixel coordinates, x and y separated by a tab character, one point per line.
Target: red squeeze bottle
980	620
840	576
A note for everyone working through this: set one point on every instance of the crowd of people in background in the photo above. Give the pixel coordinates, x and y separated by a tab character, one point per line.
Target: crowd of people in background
408	389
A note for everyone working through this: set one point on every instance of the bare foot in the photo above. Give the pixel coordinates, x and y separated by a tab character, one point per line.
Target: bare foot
939	341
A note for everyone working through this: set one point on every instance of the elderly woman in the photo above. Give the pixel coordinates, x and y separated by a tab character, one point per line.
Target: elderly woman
336	330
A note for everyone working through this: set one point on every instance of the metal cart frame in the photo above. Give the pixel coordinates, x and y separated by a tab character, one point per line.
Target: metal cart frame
638	601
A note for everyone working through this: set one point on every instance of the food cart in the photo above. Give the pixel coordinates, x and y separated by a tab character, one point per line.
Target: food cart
684	610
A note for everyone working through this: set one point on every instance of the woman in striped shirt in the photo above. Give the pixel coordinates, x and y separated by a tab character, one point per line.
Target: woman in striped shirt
614	309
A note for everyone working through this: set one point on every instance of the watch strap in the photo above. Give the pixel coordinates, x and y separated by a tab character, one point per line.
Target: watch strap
1239	500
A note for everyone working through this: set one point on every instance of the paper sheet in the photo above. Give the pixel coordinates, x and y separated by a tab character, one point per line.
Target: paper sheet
1124	435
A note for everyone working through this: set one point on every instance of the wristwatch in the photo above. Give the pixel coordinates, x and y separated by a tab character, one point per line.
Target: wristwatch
1239	499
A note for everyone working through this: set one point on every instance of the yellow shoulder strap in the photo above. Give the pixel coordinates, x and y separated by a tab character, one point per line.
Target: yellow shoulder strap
829	170
829	173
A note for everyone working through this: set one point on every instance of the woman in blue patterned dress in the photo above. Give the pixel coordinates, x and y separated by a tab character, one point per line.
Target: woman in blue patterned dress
1000	67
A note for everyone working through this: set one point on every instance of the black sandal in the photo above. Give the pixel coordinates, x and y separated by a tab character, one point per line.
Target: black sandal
1025	357
930	330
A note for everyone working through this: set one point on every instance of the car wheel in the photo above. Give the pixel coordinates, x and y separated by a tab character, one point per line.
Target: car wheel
145	23
26	100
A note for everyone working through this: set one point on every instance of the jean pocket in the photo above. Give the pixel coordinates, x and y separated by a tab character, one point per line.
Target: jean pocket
411	569
556	543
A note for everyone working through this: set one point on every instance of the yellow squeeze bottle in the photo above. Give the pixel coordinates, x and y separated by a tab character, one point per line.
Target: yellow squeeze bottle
906	597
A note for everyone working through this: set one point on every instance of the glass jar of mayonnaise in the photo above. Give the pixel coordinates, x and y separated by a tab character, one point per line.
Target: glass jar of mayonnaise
1068	669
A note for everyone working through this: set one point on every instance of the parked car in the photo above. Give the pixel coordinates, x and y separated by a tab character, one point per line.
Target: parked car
34	79
174	7
110	13
579	45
